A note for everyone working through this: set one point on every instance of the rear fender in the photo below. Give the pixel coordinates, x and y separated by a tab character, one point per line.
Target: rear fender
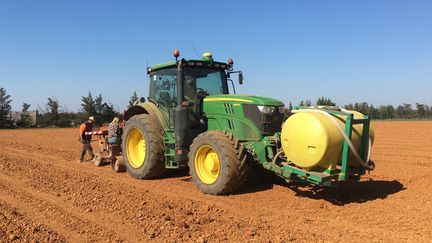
147	108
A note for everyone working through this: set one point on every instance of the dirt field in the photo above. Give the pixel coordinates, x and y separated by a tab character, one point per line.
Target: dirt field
45	195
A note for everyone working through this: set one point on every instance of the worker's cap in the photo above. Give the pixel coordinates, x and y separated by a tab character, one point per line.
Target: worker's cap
92	118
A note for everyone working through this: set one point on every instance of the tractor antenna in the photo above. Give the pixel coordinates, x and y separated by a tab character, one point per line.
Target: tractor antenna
195	50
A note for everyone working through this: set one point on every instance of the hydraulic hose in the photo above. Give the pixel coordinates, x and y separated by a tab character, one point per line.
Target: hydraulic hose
276	156
368	166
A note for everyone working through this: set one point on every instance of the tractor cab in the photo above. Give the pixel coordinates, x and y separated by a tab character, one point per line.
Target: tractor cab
198	82
199	78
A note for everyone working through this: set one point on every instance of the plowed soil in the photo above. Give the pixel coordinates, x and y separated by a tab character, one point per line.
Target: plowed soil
47	196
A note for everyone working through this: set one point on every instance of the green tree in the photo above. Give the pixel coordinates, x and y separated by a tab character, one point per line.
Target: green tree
325	101
53	105
349	106
25	108
66	119
25	118
102	111
55	115
5	108
404	111
133	99
407	111
51	114
373	112
99	108
400	112
108	112
88	105
387	112
362	107
421	110
428	112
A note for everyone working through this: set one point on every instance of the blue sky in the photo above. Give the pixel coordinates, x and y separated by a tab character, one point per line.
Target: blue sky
374	51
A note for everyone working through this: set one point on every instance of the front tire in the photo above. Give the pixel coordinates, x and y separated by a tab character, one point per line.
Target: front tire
217	163
142	147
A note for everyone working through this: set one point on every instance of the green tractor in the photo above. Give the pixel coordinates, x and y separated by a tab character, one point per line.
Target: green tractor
190	120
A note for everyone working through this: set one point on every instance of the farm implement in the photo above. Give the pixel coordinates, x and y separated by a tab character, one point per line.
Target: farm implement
107	153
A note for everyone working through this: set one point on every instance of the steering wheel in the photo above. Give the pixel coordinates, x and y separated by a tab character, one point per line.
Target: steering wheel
201	92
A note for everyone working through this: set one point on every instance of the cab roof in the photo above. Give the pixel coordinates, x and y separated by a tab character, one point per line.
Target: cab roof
190	63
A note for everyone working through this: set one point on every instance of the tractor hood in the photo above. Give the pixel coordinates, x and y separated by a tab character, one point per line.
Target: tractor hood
244	99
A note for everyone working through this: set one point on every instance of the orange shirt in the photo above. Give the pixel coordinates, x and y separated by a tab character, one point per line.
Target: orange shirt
82	129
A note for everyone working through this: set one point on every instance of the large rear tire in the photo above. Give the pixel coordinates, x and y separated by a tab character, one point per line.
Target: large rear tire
142	147
217	163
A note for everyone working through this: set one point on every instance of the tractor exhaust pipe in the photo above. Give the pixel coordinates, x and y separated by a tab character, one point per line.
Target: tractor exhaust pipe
180	84
181	124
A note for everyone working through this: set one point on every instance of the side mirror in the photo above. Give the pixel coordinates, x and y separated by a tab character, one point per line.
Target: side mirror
240	78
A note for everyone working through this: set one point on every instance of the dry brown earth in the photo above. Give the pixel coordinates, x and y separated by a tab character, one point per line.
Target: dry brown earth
46	196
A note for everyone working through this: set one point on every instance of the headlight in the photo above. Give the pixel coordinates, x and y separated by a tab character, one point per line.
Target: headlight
266	109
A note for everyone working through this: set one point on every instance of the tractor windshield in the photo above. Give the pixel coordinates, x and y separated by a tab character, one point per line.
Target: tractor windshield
205	80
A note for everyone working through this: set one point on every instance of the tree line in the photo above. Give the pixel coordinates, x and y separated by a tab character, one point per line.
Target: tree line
382	112
52	114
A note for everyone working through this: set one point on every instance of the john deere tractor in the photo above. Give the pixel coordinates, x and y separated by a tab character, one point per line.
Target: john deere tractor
190	120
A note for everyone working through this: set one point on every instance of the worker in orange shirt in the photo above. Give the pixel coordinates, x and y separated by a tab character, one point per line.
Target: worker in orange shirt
86	139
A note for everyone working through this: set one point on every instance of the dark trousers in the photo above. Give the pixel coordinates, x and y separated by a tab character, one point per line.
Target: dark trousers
86	146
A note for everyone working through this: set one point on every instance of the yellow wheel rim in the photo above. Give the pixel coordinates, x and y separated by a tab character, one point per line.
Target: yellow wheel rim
207	165
136	148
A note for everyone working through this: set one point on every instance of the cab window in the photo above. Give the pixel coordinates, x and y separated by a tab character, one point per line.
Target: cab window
163	87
